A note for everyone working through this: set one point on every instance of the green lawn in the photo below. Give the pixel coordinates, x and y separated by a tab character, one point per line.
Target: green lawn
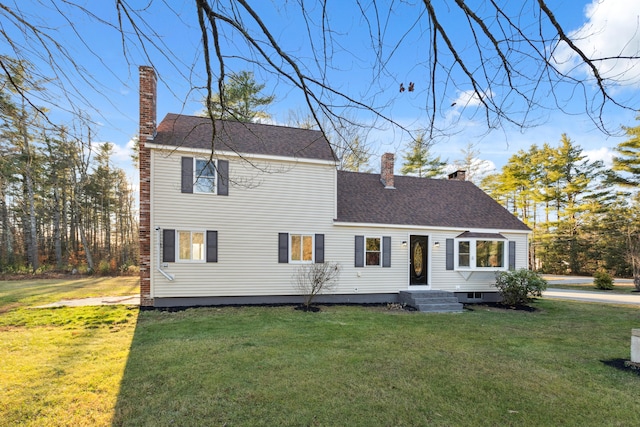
276	366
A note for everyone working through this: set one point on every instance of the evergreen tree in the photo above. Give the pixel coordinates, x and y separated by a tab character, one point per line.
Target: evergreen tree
419	162
627	162
239	100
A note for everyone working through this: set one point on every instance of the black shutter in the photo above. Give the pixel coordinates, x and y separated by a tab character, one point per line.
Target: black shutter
319	248
223	177
186	185
359	255
449	253
512	255
212	246
283	248
168	245
386	251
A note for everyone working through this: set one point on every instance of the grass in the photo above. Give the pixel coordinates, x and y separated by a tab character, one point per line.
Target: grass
62	366
23	293
342	366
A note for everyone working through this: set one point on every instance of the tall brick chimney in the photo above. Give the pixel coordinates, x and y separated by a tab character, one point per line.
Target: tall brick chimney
386	170
458	175
148	91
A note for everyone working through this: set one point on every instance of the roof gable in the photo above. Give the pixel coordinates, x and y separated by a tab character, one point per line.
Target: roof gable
178	130
420	201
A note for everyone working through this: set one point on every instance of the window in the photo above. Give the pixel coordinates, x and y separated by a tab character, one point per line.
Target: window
372	251
301	248
191	246
464	254
481	254
489	253
205	176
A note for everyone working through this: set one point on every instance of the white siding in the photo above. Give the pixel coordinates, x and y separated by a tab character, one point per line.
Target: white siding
264	199
378	280
267	198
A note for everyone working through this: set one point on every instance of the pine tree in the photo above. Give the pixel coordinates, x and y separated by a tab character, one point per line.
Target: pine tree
419	162
239	100
627	162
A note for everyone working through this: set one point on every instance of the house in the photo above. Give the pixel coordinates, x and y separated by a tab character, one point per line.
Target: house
233	227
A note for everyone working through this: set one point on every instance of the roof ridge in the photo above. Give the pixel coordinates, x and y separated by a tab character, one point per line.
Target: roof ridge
242	123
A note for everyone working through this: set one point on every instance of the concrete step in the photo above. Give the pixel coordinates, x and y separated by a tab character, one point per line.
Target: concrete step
439	300
440	308
431	301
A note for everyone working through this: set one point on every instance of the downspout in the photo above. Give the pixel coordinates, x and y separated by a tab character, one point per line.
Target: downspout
164	273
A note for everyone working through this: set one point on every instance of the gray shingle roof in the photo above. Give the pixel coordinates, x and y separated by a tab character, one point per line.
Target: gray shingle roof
178	130
362	198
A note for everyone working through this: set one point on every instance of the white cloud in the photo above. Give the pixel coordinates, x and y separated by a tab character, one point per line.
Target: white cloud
612	29
469	98
605	154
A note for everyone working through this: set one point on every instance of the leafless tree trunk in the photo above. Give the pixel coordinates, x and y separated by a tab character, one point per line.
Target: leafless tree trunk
27	154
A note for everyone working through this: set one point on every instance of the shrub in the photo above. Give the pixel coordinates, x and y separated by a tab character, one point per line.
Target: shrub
129	270
519	287
602	280
313	279
104	268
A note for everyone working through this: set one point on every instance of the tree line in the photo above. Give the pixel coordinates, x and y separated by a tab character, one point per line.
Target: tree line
63	204
583	215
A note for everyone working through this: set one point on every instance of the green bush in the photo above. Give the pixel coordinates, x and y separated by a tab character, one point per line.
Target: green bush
602	280
104	268
519	287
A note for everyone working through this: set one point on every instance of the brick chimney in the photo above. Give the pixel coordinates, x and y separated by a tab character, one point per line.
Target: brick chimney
458	175
148	86
386	171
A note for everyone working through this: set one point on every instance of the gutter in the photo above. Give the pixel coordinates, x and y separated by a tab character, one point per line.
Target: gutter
164	273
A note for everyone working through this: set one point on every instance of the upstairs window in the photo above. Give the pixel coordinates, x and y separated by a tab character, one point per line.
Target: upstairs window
205	176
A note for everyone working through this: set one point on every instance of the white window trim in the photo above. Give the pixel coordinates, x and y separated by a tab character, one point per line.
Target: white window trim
473	258
365	251
214	162
191	261
313	248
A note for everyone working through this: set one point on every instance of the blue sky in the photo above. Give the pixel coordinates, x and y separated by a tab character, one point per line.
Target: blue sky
108	81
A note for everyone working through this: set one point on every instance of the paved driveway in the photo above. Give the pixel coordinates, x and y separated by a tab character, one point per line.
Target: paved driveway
126	300
587	296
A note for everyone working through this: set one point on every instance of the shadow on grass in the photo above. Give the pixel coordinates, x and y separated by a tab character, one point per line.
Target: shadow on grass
622	365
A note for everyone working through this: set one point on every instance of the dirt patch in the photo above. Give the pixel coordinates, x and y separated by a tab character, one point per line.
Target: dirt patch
309	309
9	307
